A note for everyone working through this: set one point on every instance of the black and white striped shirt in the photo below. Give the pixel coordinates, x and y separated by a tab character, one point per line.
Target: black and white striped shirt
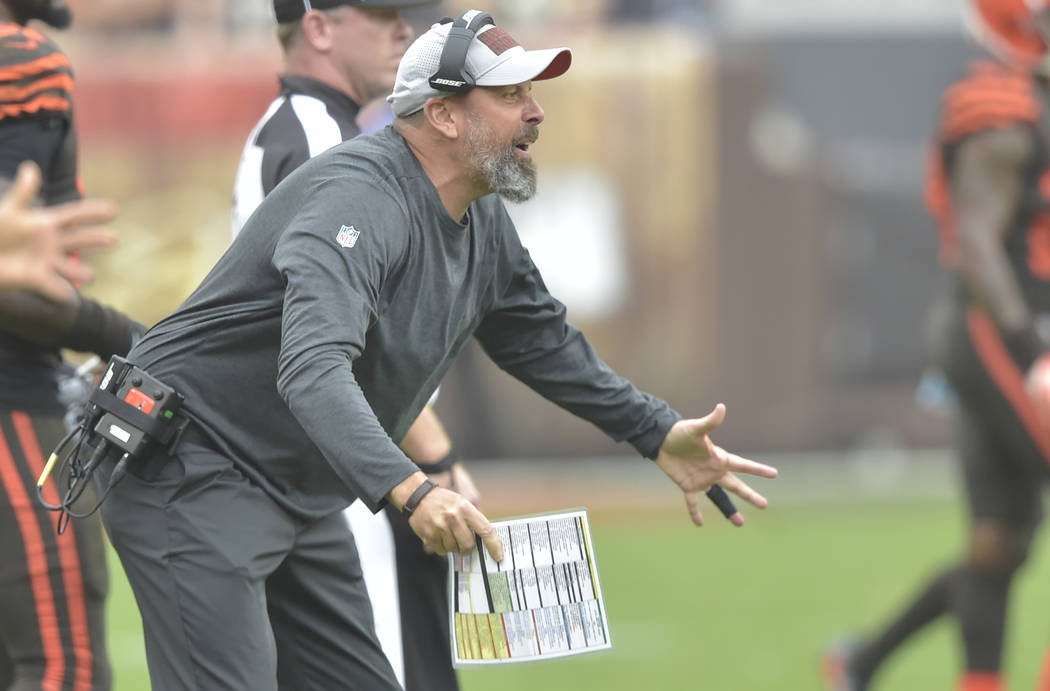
308	117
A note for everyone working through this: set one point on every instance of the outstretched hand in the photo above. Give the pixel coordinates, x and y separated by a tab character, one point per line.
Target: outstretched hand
695	463
35	243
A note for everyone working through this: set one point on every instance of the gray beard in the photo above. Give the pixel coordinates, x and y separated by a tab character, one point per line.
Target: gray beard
501	170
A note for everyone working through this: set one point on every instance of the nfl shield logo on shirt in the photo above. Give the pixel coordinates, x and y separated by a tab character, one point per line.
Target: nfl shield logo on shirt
347	236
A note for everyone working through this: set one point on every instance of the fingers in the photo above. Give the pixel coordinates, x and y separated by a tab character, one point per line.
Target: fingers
83	238
719	498
492	543
692	504
709	422
86	212
447	522
442	540
446	544
26	185
740	464
59	290
717	495
462	534
481	526
743	490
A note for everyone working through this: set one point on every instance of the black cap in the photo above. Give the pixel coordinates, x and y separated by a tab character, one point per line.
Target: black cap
290	10
55	13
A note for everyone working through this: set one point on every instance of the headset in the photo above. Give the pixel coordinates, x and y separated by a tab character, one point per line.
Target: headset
452	73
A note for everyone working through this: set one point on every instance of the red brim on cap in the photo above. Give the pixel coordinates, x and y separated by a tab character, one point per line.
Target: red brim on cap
559	66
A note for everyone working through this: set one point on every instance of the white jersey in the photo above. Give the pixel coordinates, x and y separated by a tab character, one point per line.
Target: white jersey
308	117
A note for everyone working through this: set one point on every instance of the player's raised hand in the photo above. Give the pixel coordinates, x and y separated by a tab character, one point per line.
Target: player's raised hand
35	243
694	462
447	522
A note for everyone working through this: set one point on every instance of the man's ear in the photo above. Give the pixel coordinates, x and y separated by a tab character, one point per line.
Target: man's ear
443	117
317	30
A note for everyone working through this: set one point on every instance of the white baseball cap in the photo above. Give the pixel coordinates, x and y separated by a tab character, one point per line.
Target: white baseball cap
493	59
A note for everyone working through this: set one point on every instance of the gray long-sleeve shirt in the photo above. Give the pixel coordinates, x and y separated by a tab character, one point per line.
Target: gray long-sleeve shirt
318	337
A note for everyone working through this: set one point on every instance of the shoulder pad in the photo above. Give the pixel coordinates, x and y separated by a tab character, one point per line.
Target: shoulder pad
991	96
35	75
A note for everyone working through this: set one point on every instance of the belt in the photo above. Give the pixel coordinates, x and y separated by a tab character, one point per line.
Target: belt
191	434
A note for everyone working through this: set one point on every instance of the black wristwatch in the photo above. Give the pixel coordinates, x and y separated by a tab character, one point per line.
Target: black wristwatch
417	496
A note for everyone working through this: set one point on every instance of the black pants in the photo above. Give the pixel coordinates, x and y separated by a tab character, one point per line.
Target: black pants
1005	455
234	592
52	587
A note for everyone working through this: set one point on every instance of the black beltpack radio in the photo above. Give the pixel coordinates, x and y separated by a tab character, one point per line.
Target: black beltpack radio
136	408
128	411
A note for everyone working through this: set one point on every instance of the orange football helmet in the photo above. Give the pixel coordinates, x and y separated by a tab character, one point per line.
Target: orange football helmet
1016	31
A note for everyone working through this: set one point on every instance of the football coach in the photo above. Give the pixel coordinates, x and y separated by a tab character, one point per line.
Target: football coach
314	343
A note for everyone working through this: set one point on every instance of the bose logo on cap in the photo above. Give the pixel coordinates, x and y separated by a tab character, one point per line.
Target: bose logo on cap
448	82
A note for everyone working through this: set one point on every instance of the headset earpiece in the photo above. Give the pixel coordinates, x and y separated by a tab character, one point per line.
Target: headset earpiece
452	74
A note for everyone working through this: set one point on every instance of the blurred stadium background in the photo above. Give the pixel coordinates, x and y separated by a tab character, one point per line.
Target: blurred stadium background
731	207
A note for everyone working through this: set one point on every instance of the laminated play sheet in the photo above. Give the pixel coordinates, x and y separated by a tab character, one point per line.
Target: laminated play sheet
542	601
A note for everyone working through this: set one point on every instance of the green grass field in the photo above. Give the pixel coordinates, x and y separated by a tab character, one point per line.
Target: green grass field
726	609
